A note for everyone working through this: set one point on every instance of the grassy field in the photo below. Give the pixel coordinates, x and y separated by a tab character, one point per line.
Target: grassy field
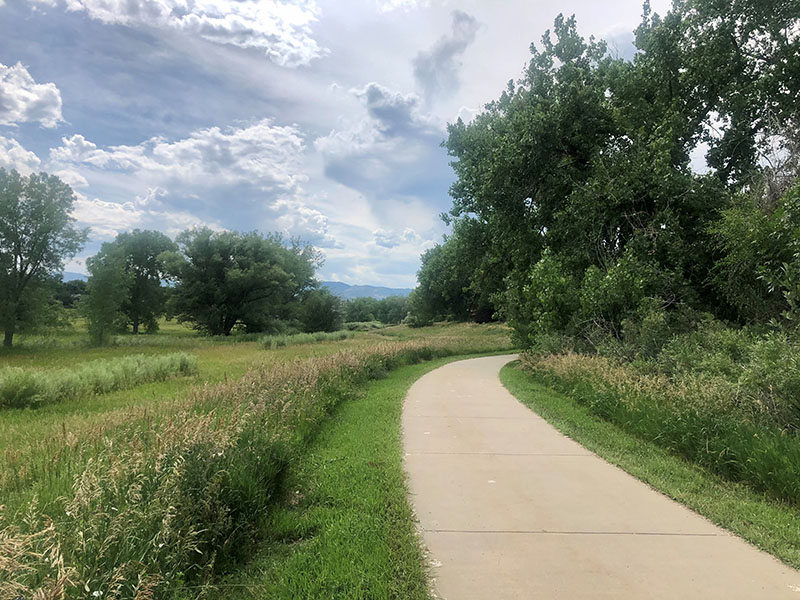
164	485
772	525
326	541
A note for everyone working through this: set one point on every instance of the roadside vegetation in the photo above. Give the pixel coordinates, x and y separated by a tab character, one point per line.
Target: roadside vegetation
324	541
771	525
163	496
270	342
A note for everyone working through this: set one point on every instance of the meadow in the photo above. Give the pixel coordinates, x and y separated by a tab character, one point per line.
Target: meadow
157	490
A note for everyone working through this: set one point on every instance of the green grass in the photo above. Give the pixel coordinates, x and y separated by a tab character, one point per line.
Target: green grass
21	388
345	528
769	524
271	342
168	488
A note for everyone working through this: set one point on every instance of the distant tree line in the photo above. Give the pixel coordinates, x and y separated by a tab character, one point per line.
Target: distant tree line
390	311
218	282
576	209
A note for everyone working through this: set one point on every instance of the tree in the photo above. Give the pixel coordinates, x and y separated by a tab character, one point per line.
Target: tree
458	278
107	290
392	310
139	255
225	279
69	292
320	311
359	310
37	234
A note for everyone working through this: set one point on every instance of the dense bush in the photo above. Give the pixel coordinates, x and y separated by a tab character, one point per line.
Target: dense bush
20	388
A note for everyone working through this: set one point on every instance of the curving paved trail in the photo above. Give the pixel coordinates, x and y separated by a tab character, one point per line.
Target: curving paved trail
510	508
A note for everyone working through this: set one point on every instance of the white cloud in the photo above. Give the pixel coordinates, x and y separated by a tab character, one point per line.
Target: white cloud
393	239
14	156
280	28
262	154
23	100
390	5
72	178
108	219
295	219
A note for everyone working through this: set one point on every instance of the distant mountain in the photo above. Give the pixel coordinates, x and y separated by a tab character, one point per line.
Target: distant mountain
70	276
348	292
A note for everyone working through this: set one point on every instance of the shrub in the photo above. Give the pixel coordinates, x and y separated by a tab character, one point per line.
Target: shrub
20	388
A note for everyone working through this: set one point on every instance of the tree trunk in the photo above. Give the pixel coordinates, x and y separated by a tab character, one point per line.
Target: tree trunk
135	327
8	338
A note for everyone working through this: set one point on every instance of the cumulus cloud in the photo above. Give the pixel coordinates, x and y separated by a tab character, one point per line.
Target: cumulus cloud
391	119
107	219
280	28
296	219
14	156
393	239
262	153
436	70
23	100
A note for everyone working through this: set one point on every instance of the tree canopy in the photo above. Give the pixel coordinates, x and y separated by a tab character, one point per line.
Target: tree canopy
228	279
37	234
578	203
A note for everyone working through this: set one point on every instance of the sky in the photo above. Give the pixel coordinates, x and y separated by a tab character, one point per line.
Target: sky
319	119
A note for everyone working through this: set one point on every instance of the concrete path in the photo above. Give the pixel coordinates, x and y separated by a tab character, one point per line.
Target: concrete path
510	508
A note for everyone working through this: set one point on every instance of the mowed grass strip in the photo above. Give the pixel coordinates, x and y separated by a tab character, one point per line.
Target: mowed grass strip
345	528
769	524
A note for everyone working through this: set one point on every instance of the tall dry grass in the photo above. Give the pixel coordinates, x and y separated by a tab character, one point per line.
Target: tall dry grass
717	423
167	504
29	388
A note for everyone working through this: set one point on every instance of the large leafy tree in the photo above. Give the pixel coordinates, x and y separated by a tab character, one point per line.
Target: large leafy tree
581	172
107	290
37	234
459	278
225	279
138	253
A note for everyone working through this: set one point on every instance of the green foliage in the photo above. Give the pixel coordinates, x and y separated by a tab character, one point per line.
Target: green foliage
138	254
579	175
457	278
390	311
759	267
546	303
69	293
709	431
37	233
23	388
320	310
229	279
106	292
